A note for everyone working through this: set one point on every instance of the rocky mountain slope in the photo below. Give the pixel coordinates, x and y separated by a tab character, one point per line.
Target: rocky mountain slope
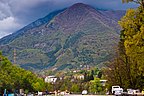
75	37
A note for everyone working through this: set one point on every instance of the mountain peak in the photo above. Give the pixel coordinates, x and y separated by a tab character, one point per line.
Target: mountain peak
80	6
73	16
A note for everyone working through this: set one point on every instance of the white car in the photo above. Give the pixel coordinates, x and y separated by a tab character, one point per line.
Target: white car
84	92
117	90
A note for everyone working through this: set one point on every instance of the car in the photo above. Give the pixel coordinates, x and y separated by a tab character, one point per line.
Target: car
30	94
84	92
117	90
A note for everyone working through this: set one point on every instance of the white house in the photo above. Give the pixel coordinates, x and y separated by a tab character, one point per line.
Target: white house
79	76
103	82
50	79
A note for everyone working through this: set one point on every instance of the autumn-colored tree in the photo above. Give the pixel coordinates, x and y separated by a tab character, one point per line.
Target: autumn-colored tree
127	69
133	39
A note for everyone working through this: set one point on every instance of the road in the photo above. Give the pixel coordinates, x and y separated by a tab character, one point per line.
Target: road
86	95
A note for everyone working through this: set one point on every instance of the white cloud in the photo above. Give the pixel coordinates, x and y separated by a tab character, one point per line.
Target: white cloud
5	10
2	34
8	25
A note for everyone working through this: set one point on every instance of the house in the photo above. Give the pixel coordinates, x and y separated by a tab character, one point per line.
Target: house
79	76
50	79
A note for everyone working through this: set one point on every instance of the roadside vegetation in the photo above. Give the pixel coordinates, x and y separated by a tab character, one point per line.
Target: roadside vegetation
14	78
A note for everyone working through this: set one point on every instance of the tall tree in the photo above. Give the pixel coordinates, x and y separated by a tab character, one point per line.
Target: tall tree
127	68
133	39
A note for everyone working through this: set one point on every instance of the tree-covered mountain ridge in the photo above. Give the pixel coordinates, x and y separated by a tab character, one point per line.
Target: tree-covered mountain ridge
71	38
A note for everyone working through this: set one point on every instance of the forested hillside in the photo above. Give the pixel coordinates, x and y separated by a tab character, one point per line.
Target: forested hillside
77	37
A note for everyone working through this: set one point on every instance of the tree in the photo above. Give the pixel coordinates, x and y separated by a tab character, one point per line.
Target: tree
49	87
141	2
95	86
117	72
75	88
127	68
38	85
13	77
133	39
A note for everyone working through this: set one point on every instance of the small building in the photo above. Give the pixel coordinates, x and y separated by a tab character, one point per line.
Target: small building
50	79
103	82
79	76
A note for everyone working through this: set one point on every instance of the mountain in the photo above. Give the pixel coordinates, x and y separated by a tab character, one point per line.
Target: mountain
71	38
37	23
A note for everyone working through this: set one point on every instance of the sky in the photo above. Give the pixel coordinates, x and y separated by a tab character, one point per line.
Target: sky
15	14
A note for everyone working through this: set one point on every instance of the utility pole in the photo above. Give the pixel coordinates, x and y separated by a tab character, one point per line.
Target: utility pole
14	56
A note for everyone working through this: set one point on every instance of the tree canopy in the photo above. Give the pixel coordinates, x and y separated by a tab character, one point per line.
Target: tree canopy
14	78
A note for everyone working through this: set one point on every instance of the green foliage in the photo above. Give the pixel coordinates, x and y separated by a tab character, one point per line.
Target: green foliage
49	87
71	40
53	52
65	85
75	88
64	66
13	77
95	86
88	76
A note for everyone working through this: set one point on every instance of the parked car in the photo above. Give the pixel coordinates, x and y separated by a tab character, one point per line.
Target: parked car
116	90
84	92
134	92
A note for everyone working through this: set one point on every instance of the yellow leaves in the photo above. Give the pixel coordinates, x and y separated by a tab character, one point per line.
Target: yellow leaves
133	39
135	44
129	24
128	21
126	1
142	31
133	31
128	45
